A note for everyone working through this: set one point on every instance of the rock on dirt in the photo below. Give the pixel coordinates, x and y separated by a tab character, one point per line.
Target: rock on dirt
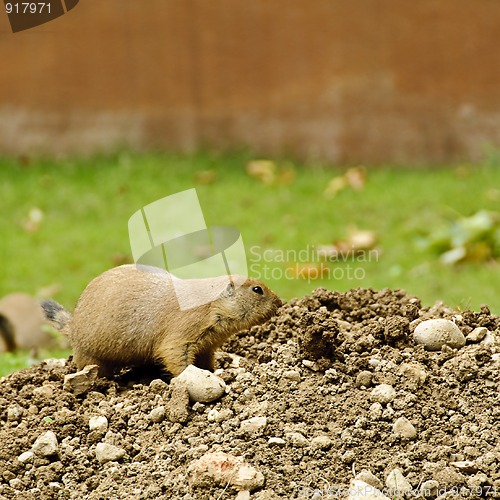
224	469
46	445
436	333
105	452
203	386
82	381
297	418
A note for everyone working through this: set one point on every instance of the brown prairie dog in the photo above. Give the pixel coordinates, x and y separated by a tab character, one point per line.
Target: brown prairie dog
130	316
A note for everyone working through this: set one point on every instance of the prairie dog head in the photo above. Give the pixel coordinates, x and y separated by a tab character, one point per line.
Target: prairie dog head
247	300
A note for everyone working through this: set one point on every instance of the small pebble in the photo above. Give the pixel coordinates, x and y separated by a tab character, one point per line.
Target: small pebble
157	414
82	381
224	469
312	365
364	378
46	445
253	425
429	488
477	334
275	441
52	363
397	483
14	412
433	334
98	423
465	466
243	495
158	386
369	478
105	452
202	385
383	393
297	439
363	491
321	442
292	375
26	457
45	391
404	428
376	410
15	483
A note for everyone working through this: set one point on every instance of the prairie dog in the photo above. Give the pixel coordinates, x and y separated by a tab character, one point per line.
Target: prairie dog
130	316
22	324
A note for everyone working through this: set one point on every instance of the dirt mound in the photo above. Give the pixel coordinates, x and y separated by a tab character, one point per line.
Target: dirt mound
332	385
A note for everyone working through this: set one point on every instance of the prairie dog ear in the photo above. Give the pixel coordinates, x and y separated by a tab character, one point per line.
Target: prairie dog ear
229	292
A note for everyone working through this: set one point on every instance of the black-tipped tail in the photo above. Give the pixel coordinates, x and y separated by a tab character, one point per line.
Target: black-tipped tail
7	334
55	313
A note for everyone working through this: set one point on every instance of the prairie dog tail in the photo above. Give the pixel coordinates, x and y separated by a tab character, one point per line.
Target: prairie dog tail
7	334
56	314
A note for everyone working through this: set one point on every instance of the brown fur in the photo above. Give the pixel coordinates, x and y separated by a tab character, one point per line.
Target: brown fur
7	335
130	316
22	324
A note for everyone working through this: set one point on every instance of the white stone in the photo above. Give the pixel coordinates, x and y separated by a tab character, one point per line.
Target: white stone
414	374
80	382
312	365
14	412
275	441
361	490
157	414
429	488
212	415
466	466
202	385
27	456
321	442
297	439
105	452
433	334
15	483
369	478
243	495
52	363
404	428
253	425
46	445
158	386
477	334
45	391
397	483
98	423
376	410
292	375
224	469
383	393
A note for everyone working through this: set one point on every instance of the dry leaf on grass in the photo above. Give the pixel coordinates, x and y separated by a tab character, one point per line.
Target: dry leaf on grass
205	177
262	170
32	223
358	240
354	178
268	172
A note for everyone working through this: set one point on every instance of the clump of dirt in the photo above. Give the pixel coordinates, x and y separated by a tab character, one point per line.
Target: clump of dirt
338	382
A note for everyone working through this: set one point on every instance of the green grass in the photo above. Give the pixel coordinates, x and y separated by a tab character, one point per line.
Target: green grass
87	204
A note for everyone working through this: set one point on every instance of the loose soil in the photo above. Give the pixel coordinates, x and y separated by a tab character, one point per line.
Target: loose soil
310	371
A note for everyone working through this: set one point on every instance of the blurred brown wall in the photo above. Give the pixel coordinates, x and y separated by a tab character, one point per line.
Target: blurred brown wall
341	80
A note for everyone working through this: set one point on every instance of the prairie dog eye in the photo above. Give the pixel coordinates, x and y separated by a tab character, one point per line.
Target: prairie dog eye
258	289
